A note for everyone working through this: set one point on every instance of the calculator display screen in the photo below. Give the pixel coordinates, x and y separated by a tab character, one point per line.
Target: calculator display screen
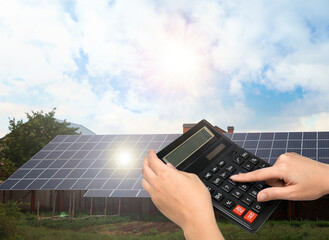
189	146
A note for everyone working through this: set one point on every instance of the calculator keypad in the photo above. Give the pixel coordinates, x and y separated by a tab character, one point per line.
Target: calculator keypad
239	198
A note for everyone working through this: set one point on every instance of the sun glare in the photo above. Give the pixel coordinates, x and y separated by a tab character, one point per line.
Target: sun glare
124	158
177	61
176	65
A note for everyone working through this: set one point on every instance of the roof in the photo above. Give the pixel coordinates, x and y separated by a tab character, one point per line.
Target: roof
110	165
81	129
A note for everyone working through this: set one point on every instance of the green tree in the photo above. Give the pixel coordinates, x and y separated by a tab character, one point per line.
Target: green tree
27	138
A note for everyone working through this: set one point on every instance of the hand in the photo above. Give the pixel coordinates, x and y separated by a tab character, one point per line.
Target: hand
180	196
292	177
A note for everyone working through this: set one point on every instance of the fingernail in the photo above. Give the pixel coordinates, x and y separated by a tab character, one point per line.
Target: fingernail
170	165
262	197
233	176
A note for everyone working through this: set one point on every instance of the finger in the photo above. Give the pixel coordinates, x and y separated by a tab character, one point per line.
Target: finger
275	183
259	175
147	171
170	165
146	185
154	162
274	193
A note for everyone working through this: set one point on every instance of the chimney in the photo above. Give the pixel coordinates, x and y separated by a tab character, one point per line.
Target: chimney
230	129
187	126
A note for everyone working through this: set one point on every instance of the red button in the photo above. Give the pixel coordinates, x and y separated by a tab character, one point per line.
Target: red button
250	216
238	210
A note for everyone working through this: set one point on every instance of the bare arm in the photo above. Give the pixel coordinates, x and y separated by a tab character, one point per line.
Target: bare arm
182	197
292	177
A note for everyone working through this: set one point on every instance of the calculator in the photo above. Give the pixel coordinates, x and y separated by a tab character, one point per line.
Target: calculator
208	153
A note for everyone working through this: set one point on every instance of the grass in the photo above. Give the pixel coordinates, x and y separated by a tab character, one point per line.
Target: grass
96	229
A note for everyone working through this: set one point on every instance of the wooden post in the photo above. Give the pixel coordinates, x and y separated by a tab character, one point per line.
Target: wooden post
105	208
80	201
54	206
38	205
70	207
32	201
3	197
91	208
72	216
62	200
119	208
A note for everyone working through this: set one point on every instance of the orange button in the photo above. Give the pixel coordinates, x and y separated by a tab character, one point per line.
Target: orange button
238	210
250	216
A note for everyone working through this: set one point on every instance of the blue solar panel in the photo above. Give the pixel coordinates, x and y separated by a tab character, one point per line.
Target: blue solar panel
110	165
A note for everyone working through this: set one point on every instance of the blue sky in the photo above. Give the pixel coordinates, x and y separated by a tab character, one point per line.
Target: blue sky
149	66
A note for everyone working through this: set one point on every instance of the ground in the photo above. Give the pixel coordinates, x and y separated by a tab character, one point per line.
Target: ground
141	227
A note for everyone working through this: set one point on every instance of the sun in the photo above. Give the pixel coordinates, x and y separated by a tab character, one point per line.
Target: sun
177	60
176	64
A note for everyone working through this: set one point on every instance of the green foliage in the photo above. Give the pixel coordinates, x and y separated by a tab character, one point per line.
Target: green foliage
27	138
7	168
10	220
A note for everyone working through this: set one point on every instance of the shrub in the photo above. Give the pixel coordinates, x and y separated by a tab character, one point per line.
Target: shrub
10	220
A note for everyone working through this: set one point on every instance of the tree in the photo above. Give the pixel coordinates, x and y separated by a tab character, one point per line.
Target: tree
26	139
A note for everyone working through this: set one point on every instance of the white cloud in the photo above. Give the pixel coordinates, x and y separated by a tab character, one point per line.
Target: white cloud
226	45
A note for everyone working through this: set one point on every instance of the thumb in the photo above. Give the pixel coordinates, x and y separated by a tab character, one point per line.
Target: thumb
170	165
274	193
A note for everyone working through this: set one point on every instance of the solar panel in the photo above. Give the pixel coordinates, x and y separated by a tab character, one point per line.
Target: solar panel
110	165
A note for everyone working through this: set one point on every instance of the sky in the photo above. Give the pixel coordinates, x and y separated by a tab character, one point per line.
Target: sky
148	66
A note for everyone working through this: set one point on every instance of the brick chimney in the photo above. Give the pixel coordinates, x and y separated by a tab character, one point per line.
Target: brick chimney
230	129
187	126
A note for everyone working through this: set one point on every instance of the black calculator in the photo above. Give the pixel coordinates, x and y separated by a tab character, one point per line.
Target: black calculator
205	151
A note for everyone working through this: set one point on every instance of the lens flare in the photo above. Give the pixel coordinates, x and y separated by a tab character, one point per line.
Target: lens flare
177	65
124	158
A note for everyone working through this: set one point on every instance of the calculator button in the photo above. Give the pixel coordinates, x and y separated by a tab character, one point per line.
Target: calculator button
238	210
253	193
260	185
247	200
238	160
224	174
245	155
244	187
215	169
232	182
254	160
218	197
217	182
248	166
207	176
230	168
258	207
221	163
228	203
237	194
227	187
263	165
234	153
250	216
210	189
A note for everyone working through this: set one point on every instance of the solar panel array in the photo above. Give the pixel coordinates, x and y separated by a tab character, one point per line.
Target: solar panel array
110	165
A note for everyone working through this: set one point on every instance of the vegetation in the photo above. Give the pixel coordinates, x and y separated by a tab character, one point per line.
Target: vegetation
10	220
15	225
27	138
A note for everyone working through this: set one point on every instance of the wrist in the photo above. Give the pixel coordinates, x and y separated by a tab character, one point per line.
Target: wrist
202	228
326	183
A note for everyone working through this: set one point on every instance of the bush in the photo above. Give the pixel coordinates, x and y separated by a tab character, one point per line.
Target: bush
10	220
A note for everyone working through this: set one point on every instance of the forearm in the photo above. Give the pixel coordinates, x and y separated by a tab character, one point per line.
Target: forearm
325	179
203	229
